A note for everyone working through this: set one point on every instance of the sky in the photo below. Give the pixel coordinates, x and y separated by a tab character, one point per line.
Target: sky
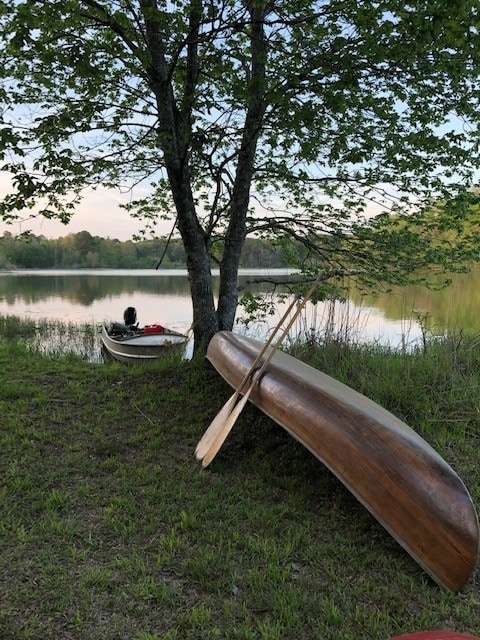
99	213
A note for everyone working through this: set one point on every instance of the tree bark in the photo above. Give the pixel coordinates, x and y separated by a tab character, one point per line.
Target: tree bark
174	131
237	229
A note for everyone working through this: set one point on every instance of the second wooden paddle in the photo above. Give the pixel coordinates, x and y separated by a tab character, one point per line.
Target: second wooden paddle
223	429
218	422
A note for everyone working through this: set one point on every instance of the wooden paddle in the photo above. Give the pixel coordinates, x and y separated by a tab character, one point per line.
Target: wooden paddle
230	421
221	431
218	422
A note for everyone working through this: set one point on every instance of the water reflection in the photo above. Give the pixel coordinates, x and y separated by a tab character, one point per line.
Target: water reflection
96	296
455	308
85	287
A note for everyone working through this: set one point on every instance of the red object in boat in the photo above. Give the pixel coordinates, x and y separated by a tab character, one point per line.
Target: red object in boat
154	328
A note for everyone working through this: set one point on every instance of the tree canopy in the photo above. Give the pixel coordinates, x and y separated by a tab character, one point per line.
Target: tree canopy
284	119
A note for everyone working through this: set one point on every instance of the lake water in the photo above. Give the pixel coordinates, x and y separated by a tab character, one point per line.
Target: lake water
97	296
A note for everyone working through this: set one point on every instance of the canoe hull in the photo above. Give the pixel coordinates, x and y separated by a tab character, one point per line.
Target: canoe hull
139	348
392	471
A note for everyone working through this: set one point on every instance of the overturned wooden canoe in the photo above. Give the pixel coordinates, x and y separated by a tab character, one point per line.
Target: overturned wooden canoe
394	473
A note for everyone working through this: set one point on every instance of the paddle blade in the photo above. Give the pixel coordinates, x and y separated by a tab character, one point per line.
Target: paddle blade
228	424
215	427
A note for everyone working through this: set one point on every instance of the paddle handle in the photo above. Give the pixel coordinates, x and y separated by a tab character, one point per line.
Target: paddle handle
266	345
284	332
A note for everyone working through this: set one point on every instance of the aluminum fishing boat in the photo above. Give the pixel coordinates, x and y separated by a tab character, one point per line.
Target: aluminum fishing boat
129	343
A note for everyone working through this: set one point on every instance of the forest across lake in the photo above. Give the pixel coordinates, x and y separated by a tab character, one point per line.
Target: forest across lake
83	251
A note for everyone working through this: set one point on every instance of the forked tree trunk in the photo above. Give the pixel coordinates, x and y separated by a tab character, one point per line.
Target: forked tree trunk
174	132
237	228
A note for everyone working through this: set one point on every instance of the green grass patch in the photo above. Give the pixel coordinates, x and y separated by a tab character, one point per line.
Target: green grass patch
110	529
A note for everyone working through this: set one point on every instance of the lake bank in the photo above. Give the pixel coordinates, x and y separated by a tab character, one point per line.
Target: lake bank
109	528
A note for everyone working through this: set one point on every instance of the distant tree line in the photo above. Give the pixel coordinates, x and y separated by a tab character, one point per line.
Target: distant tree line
84	251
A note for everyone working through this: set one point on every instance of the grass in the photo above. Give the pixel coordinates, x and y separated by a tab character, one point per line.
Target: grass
109	529
53	338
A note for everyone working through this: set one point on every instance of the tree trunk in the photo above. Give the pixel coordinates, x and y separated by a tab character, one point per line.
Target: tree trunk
237	229
205	320
173	135
174	132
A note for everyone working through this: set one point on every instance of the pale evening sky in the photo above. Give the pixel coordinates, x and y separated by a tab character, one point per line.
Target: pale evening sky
99	213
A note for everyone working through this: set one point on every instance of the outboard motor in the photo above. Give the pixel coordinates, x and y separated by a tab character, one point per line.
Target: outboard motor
130	317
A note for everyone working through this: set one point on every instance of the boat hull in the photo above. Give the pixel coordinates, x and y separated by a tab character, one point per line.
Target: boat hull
138	348
392	471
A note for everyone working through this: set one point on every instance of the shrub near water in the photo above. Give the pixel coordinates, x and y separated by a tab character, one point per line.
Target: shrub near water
110	530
